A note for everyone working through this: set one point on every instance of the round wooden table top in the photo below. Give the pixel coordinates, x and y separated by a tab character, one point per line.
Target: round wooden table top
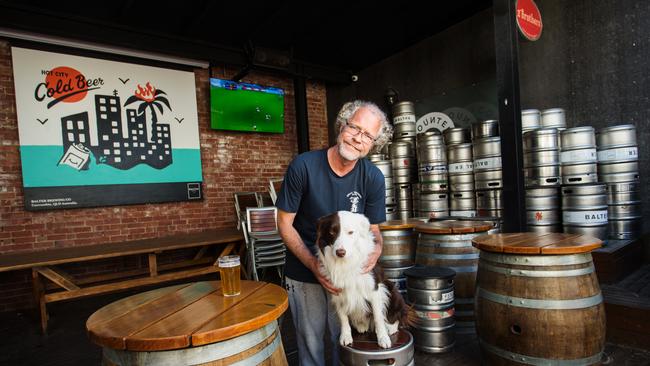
454	227
537	243
186	315
400	224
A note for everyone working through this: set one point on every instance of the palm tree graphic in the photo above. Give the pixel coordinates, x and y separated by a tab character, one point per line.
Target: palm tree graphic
149	97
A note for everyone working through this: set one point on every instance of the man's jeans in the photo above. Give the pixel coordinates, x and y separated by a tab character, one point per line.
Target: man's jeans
312	311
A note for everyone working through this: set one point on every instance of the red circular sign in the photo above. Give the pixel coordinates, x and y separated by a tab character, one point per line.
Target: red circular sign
529	19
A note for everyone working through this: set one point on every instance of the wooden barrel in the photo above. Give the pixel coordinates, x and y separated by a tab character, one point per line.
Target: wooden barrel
259	347
448	244
192	324
364	350
538	301
399	242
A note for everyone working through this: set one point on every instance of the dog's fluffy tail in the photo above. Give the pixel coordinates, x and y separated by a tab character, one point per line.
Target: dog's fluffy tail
397	308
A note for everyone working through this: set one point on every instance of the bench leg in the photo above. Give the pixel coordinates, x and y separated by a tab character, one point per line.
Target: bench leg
39	298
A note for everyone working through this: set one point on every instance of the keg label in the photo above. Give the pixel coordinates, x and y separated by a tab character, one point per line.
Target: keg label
433	315
427	168
446	297
582	155
585	217
404	118
623	153
465	167
487	163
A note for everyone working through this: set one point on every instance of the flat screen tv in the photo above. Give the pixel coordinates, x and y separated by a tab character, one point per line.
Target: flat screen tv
246	107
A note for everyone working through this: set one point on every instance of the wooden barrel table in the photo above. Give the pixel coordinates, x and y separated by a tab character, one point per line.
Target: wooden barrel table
448	243
193	324
538	301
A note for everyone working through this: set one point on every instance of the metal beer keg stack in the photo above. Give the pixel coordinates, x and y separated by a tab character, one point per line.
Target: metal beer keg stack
404	175
462	200
430	294
584	200
488	175
542	180
531	119
618	167
432	173
386	168
402	154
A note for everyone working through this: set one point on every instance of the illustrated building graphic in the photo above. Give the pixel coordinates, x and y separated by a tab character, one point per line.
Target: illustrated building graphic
118	147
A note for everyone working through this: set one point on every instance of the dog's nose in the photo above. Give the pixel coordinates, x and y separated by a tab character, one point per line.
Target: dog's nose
340	253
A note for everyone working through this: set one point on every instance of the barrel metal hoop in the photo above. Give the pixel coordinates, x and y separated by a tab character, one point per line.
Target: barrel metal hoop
450	237
449	256
391	233
521	302
384	258
203	354
537	260
537	273
447	244
537	361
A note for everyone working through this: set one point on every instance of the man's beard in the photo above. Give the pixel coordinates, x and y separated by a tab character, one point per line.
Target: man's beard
349	153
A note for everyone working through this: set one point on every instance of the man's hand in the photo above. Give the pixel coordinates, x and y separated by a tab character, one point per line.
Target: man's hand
315	267
372	259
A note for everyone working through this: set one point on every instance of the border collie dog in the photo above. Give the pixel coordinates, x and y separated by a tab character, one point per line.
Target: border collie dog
367	301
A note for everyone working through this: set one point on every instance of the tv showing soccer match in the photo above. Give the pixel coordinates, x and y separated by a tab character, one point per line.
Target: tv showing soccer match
246	107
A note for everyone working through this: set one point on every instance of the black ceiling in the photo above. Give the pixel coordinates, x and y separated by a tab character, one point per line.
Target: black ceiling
340	35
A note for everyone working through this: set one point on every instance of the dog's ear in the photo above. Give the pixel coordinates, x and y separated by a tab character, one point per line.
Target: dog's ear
327	230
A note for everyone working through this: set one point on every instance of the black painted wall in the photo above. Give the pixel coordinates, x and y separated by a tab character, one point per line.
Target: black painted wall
458	60
593	60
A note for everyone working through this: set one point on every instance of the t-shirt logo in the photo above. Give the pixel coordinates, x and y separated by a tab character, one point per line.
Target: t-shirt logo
354	198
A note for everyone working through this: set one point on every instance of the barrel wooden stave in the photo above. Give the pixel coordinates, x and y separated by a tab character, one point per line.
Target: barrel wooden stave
564	334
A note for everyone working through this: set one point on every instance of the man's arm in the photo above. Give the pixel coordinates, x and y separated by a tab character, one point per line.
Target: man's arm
379	242
294	242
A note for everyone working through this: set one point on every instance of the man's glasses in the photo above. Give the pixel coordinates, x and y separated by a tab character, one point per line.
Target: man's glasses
355	130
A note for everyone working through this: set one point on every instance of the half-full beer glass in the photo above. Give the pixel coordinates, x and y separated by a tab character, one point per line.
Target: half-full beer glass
229	267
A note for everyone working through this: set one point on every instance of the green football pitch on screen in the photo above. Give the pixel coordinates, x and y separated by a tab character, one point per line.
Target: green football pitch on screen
235	109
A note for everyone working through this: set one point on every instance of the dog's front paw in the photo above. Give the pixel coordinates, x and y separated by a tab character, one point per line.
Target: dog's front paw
346	339
384	341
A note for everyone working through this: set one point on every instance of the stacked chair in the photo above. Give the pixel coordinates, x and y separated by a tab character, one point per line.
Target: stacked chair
257	218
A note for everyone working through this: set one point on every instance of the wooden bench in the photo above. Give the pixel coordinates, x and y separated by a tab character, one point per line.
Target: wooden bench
65	286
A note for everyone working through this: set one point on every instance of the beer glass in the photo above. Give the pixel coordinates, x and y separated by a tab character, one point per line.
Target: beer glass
229	267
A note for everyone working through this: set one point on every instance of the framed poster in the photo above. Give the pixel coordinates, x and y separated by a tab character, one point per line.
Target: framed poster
95	132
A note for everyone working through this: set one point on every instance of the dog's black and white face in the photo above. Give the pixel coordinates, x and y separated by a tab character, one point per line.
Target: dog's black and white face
345	236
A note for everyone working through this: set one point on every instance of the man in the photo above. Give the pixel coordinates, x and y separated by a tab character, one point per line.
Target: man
318	183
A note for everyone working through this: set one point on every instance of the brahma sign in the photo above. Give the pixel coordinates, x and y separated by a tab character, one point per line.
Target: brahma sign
529	19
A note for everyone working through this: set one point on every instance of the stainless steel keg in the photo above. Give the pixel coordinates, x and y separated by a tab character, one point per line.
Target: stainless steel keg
434	204
456	135
541	157
487	163
530	119
553	117
487	128
391	212
578	156
543	209
461	182
430	291
584	209
489	203
624	210
617	154
397	277
432	163
365	351
403	112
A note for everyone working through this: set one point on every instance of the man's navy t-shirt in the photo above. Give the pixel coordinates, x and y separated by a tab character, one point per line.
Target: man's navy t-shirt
312	190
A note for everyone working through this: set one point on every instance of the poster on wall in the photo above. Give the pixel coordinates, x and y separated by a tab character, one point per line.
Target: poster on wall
95	132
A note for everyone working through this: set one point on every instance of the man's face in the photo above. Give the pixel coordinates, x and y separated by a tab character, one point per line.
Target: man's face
357	137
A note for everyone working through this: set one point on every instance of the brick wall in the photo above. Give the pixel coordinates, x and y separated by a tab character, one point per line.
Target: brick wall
231	162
